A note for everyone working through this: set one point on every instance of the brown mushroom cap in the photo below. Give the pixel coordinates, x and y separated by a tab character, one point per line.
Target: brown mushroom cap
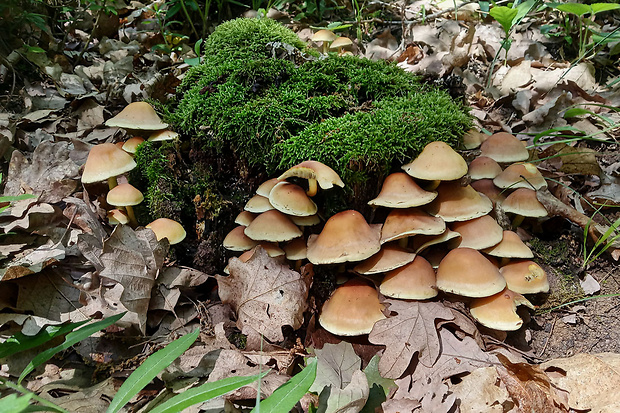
352	310
399	190
525	277
478	233
401	223
488	188
244	218
104	161
236	240
324	36
163	135
325	176
484	167
124	195
265	188
388	258
132	144
137	116
499	311
340	41
291	199
520	175
346	236
459	203
465	271
296	249
272	226
414	281
305	221
422	242
437	161
523	202
167	228
116	216
504	147
511	246
258	204
473	139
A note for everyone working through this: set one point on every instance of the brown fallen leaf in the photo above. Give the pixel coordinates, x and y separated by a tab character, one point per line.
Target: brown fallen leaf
481	391
413	329
530	388
265	294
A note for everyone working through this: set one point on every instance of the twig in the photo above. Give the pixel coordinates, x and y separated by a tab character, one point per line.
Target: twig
542	351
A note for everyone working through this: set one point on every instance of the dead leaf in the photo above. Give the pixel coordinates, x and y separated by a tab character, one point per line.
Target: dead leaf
480	391
351	399
32	261
265	294
336	364
412	329
167	292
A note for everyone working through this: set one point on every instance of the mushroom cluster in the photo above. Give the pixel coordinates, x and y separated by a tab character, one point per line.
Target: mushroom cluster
331	41
108	161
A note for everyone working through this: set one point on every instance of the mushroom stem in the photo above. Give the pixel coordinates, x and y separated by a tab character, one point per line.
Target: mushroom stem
432	185
132	217
325	45
312	187
517	221
402	242
112	182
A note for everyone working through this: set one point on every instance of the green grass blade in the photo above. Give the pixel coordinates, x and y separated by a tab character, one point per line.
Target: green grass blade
21	342
286	396
203	393
14	404
71	339
147	371
12	198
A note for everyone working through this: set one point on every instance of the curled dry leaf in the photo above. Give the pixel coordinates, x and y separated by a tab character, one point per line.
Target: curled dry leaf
265	294
412	329
480	391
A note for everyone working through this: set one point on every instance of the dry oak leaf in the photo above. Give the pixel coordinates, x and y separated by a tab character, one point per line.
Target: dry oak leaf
265	294
412	329
592	380
480	391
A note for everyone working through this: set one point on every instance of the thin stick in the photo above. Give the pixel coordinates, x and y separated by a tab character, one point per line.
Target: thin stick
542	351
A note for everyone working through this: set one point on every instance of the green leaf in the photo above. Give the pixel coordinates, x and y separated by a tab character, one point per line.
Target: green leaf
523	9
601	7
21	342
204	392
192	61
12	198
286	396
379	386
14	404
504	16
574	8
149	369
70	339
573	112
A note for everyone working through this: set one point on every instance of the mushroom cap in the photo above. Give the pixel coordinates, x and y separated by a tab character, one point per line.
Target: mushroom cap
105	161
325	176
414	281
499	311
520	175
308	221
352	310
265	188
511	246
465	271
132	144
399	190
525	277
163	135
340	41
167	228
478	233
272	226
346	236
523	202
459	203
388	258
437	161
244	218
473	139
258	204
292	200
422	242
324	36
504	147
484	167
236	240
137	116
271	248
401	223
488	188
296	249
124	195
116	216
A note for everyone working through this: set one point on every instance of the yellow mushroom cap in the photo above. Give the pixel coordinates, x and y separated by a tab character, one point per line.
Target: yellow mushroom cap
484	167
413	281
105	161
520	175
137	116
258	204
244	218
401	223
325	176
124	195
459	203
346	236
236	240
478	233
437	161
399	190
388	258
352	310
308	221
291	199
341	41
167	228
265	188
132	144
163	135
523	202
511	246
499	311
525	277
465	271
504	147
272	226
324	36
